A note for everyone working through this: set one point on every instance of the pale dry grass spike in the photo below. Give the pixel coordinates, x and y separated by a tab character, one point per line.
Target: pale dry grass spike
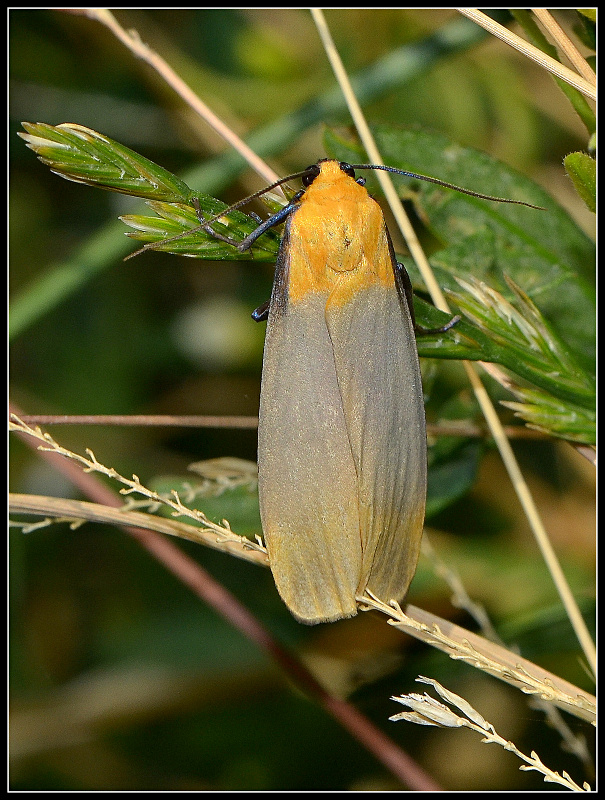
428	711
463	645
211	534
460	598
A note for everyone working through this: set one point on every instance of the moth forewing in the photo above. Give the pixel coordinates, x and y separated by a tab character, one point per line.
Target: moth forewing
342	445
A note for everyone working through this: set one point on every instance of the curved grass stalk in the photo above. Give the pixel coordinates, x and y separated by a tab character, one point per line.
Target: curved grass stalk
463	645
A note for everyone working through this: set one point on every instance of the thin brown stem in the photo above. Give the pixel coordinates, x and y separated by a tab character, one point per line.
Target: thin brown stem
457	428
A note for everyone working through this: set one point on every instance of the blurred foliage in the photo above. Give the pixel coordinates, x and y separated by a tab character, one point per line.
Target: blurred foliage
120	679
582	169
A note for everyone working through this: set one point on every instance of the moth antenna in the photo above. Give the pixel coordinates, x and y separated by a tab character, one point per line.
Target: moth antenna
447	185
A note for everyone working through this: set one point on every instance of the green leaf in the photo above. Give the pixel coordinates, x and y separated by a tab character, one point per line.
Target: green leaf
82	155
557	418
586	31
524	342
452	475
582	169
589	13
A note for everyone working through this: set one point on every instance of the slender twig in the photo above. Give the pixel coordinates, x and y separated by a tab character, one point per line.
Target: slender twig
147	420
133	42
457	428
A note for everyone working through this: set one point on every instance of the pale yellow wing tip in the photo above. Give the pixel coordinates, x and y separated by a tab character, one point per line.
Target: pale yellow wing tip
318	616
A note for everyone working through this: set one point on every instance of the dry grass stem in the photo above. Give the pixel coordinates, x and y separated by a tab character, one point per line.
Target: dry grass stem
460	598
133	42
553	66
462	645
533	517
564	43
76	512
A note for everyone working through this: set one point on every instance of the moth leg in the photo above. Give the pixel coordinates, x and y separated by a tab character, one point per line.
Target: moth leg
261	314
246	243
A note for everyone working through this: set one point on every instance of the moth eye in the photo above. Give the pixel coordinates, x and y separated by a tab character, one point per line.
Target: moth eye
311	173
347	169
